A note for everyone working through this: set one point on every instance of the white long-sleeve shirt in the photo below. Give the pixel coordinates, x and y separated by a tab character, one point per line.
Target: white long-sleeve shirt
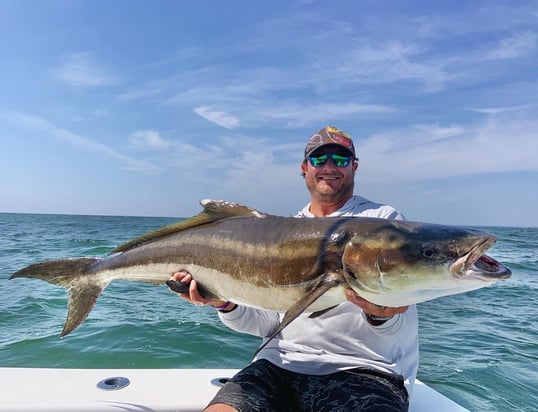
341	338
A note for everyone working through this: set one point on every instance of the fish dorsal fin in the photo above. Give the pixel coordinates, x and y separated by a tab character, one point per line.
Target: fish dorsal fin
221	209
214	210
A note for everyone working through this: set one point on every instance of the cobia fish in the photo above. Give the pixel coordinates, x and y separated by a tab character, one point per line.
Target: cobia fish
286	264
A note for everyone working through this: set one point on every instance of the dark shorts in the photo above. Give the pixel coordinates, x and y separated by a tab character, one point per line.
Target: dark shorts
264	387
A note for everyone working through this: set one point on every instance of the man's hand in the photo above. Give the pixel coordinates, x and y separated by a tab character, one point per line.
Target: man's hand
194	295
372	309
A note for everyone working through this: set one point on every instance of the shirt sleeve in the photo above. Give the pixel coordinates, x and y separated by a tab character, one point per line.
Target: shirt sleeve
251	320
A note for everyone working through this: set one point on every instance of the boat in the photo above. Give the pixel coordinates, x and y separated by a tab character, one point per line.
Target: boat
81	390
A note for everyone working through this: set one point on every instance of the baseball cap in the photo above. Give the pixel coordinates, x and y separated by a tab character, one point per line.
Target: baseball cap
329	135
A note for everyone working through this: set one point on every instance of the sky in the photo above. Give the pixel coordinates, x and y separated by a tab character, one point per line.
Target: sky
144	108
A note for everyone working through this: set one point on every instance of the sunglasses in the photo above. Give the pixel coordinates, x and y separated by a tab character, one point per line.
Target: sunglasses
338	160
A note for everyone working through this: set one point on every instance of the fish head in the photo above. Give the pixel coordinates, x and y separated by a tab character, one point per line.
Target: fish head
400	263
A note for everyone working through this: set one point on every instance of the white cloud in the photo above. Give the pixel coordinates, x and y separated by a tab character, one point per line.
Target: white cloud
81	70
143	92
520	44
297	114
32	122
499	110
412	138
495	144
372	63
218	117
148	139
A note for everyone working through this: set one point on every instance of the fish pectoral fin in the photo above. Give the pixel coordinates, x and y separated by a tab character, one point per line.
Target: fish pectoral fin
178	287
319	287
184	287
314	315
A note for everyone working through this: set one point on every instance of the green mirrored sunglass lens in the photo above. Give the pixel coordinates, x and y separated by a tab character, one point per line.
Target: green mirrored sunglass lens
338	160
319	160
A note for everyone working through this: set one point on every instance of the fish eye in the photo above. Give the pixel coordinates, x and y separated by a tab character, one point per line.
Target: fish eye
429	251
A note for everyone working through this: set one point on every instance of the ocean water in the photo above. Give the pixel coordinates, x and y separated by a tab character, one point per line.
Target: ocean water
479	348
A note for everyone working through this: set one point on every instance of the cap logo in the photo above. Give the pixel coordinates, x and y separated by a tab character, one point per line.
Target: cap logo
339	136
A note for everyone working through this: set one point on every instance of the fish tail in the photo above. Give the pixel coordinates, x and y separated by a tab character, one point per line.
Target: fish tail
72	274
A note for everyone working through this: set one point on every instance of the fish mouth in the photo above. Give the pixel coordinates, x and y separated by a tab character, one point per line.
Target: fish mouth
478	265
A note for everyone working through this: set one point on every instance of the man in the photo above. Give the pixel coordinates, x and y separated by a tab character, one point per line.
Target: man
355	357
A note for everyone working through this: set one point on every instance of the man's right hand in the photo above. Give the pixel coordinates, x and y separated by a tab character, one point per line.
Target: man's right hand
194	295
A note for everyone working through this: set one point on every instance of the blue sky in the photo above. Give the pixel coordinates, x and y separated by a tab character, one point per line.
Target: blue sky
146	107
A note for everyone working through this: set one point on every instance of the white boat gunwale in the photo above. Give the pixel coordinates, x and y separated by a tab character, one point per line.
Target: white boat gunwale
59	389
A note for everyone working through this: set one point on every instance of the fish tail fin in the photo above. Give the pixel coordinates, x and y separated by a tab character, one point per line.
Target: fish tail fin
72	274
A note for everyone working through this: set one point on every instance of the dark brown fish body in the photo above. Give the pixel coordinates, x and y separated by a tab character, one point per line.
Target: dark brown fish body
287	264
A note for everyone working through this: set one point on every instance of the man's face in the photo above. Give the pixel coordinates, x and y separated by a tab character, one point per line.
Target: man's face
329	183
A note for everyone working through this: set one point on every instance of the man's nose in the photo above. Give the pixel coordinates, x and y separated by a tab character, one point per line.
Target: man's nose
329	164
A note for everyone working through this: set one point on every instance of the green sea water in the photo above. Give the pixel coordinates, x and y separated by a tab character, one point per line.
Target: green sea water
479	348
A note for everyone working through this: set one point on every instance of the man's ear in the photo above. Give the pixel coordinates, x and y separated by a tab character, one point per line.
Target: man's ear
303	168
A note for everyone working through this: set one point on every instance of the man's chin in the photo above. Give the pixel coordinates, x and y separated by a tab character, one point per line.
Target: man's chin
326	189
